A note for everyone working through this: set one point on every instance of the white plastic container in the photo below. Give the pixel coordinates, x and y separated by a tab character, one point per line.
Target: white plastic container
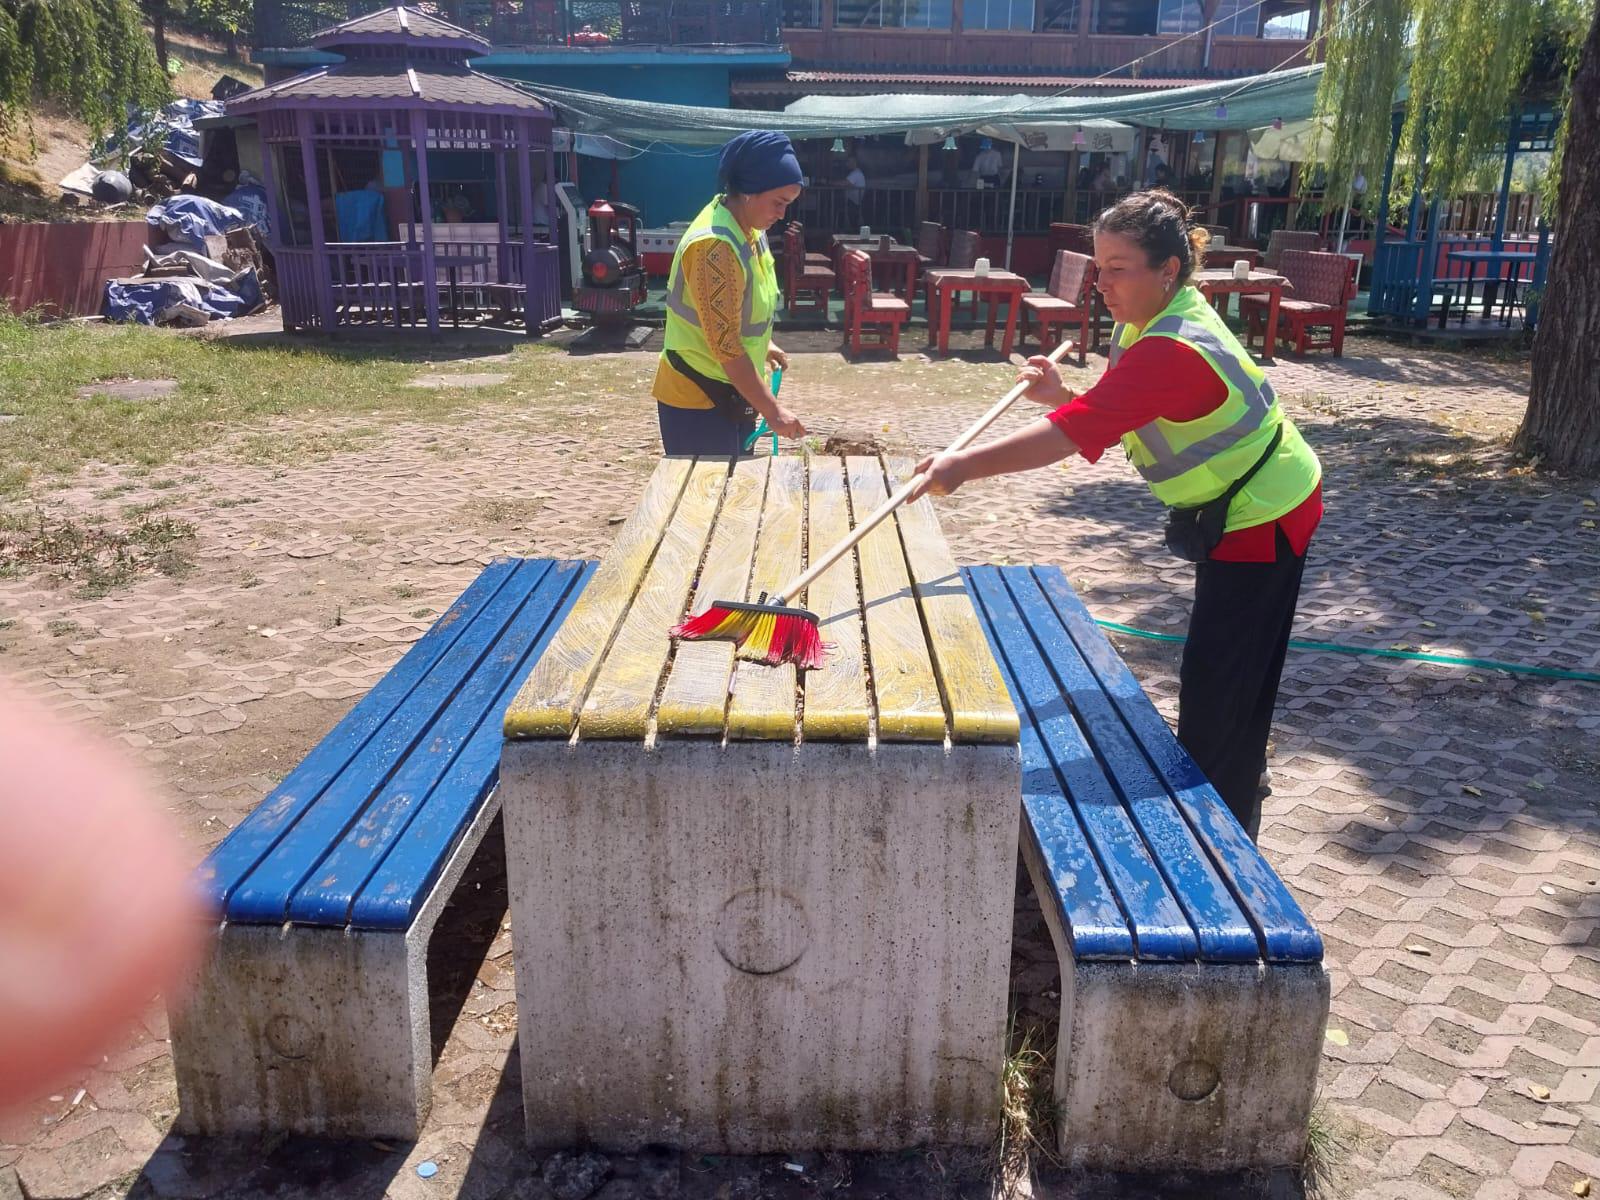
981	268
1241	269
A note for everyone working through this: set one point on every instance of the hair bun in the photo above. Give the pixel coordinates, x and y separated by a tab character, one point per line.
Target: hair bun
1166	199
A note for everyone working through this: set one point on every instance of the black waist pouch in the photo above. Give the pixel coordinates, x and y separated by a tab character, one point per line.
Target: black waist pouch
1193	533
722	394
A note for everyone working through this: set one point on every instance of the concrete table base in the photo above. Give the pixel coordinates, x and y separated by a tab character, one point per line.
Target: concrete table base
758	947
1184	1066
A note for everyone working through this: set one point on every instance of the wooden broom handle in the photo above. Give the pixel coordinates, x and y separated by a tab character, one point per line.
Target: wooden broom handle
905	489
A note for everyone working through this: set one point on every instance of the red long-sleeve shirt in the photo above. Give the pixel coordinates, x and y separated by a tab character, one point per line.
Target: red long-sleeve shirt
1162	377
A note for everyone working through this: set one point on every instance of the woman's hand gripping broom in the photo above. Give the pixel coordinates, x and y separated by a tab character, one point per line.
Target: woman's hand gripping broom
769	631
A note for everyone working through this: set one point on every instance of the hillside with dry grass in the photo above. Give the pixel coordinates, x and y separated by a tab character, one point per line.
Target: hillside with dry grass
52	144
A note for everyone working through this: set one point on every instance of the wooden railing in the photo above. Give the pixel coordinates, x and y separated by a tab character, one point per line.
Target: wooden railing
385	283
377	283
823	209
1051	52
1475	213
298	287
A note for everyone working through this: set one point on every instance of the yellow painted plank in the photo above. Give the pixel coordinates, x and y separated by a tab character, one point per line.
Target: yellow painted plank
618	705
763	703
547	704
910	708
975	695
695	700
836	707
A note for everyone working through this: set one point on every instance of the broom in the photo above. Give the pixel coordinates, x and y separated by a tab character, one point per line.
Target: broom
771	632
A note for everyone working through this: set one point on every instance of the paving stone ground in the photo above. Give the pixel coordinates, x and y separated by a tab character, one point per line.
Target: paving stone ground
1441	824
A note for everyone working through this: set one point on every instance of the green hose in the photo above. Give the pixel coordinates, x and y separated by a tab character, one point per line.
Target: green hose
1449	660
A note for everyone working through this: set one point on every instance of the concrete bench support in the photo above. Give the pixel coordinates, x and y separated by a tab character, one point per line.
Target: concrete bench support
314	1031
1193	994
310	1013
1212	1065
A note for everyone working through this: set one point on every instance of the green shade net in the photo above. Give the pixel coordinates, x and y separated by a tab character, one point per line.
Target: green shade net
1250	102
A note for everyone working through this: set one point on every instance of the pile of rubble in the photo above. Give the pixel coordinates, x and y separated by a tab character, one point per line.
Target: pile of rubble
206	261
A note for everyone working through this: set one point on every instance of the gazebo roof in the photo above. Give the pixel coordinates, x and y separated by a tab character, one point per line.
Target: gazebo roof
429	83
399	26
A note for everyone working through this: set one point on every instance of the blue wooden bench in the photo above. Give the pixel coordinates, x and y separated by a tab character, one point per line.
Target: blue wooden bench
310	1014
1193	996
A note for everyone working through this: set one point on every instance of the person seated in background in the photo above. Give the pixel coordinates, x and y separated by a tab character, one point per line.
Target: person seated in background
988	165
855	190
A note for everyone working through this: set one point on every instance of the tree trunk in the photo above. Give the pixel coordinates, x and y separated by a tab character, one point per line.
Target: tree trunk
1562	425
158	29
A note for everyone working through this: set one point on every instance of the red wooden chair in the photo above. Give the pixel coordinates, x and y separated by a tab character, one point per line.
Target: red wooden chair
802	278
1323	286
812	258
930	245
1077	238
884	312
1280	240
644	22
1069	301
963	256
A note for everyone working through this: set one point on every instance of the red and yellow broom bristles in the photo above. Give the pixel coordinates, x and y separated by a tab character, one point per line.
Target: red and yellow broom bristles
766	633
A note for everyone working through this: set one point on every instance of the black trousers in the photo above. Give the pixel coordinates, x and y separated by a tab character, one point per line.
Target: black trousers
1232	662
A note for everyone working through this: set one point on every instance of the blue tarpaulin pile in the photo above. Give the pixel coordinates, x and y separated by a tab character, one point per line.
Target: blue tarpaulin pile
172	127
186	220
250	198
181	300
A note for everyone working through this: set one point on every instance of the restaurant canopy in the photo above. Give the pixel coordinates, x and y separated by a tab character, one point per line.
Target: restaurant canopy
1009	121
1245	103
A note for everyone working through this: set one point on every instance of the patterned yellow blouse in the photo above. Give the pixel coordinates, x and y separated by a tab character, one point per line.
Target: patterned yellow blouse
716	281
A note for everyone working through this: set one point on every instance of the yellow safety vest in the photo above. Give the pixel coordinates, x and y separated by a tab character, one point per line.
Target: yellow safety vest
1187	463
684	334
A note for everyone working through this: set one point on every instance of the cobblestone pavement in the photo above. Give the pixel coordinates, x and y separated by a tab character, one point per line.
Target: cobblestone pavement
1441	824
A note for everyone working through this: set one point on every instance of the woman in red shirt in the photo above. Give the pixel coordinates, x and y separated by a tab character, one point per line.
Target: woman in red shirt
1161	385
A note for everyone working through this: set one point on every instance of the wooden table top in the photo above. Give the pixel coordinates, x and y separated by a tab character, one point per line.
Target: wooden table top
908	661
966	277
1222	277
876	251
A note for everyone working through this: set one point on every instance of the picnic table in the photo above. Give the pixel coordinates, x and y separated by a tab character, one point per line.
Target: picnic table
1219	257
1218	285
1495	261
755	909
883	251
945	283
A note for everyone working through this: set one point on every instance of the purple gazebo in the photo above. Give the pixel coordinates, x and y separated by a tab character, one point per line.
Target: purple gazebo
348	149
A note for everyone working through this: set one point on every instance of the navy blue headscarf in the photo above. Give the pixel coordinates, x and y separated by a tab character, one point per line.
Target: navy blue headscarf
758	161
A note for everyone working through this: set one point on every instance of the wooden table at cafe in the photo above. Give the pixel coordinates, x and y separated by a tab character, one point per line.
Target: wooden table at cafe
1220	257
894	256
944	284
1221	284
1494	262
755	909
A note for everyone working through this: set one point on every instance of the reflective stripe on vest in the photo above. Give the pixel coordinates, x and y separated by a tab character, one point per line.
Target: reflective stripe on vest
1258	401
1190	462
677	290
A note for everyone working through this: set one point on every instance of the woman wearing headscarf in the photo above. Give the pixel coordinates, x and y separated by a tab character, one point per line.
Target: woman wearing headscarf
722	295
